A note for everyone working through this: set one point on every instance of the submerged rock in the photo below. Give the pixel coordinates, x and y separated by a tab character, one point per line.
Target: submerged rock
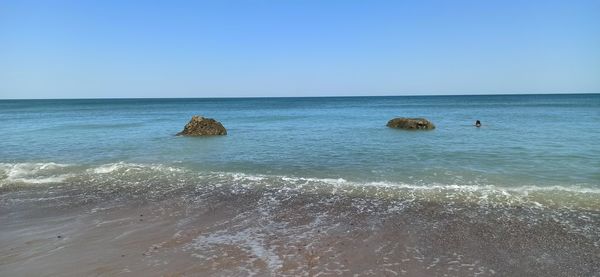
201	126
411	123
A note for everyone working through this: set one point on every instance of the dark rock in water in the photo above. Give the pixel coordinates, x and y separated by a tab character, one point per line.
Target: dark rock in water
411	123
201	126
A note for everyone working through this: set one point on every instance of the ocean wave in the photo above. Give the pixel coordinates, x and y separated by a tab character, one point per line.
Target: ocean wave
157	178
34	173
523	189
123	166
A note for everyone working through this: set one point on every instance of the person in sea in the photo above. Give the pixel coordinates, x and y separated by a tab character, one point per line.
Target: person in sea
478	123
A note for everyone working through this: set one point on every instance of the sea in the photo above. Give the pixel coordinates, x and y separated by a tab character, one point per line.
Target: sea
301	187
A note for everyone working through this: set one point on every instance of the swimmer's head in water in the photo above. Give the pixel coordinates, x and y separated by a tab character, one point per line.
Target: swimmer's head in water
477	123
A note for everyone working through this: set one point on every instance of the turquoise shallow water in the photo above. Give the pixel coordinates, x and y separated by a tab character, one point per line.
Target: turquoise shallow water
542	140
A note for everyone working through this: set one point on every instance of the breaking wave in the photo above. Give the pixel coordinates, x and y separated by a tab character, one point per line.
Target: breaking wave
157	178
33	173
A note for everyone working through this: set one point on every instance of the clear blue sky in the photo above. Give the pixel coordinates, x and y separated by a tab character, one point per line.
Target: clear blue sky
81	49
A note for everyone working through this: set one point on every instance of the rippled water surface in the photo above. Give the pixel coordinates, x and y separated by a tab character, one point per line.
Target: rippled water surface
301	186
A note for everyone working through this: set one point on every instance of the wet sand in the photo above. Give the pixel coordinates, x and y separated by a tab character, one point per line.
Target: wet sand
271	232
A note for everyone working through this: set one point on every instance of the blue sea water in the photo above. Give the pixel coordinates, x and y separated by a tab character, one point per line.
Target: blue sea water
301	186
542	140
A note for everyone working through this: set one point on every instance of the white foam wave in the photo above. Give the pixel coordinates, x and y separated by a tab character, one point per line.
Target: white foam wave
573	196
34	173
523	189
47	180
30	167
43	173
108	168
112	167
47	173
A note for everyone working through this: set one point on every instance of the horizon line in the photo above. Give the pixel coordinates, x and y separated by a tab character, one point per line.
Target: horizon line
308	96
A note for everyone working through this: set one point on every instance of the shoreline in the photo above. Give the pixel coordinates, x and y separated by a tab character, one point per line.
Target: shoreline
237	229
